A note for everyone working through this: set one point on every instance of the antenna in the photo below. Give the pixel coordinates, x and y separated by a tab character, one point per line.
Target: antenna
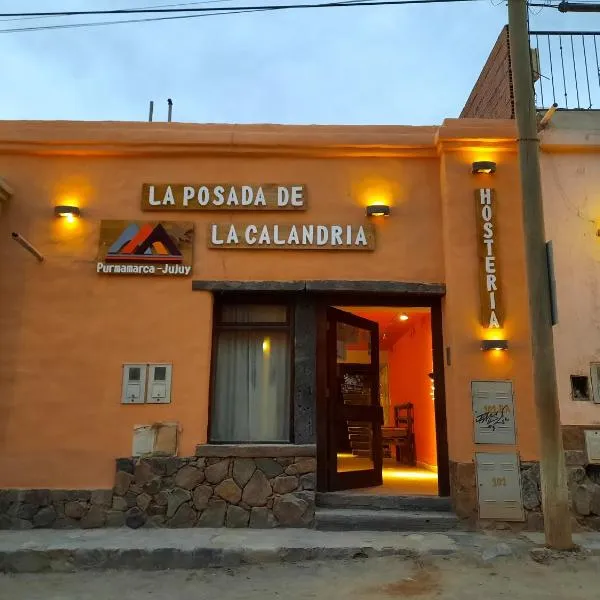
170	115
151	111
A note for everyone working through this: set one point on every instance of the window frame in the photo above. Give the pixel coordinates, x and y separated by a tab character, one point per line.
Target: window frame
222	300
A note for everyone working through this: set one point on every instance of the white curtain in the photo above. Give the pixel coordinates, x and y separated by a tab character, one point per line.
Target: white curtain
251	398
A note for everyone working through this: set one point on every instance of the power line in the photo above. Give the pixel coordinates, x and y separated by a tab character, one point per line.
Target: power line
124	21
216	11
151	6
147	10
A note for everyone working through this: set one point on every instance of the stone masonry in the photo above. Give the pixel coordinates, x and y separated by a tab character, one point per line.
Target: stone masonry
583	481
238	487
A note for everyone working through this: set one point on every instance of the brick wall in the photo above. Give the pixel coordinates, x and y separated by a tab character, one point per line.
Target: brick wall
492	95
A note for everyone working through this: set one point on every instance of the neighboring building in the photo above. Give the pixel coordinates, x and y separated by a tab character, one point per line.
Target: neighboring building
570	166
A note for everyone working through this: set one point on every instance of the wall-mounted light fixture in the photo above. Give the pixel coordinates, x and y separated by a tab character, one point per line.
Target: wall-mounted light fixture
68	211
378	210
483	166
487	345
403	317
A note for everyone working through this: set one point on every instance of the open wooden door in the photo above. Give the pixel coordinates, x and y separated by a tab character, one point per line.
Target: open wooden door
354	414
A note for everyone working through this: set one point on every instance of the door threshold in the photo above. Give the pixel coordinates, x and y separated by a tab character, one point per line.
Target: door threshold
352	499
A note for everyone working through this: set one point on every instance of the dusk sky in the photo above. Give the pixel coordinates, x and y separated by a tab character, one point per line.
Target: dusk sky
362	65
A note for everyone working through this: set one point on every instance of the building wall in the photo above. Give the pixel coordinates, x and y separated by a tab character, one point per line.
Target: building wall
571	188
462	328
492	95
68	330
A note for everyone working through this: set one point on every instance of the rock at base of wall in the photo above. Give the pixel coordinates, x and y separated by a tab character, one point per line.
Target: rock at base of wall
257	490
262	518
214	514
289	510
237	517
94	518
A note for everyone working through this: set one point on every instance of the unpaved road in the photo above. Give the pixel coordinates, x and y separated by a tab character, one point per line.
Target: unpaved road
360	579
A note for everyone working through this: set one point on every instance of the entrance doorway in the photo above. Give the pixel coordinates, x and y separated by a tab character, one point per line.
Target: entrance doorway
385	427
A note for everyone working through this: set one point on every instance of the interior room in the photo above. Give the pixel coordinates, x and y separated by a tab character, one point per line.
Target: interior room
406	395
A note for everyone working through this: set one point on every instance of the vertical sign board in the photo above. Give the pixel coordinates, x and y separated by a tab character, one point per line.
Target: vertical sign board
490	290
499	486
493	412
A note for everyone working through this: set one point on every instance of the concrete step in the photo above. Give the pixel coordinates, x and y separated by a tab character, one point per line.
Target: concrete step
357	519
382	502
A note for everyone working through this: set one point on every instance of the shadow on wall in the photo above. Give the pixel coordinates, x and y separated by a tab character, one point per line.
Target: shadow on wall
409	363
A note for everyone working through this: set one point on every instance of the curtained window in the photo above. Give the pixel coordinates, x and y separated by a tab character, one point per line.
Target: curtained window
251	385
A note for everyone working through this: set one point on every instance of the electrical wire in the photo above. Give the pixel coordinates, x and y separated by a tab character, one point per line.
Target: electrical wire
137	11
125	21
151	6
215	11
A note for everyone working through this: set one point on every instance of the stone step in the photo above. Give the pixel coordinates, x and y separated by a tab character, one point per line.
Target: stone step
382	502
358	519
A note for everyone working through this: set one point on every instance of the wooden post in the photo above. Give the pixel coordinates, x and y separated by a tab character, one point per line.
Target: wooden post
555	503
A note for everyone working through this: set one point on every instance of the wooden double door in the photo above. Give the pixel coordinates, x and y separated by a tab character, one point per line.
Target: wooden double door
354	413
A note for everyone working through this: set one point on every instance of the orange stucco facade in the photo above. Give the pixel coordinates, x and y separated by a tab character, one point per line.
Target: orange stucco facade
66	331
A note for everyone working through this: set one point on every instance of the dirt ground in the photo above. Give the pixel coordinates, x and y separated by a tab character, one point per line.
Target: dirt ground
359	579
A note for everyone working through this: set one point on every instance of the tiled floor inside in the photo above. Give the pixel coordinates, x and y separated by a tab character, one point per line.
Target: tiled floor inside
398	480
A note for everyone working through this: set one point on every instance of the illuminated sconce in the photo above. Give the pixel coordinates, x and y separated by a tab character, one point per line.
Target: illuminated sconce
483	167
487	345
403	317
67	211
378	210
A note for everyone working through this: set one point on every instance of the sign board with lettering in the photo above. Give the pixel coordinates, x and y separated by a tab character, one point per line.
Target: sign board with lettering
223	196
490	290
493	412
262	236
145	248
592	445
499	486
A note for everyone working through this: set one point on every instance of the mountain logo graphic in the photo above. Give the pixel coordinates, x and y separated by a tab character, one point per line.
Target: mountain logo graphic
148	243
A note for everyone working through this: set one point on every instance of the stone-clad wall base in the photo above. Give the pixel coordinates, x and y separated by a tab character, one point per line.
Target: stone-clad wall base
200	491
584	495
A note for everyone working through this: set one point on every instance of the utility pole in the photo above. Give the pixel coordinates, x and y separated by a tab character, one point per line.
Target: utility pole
555	502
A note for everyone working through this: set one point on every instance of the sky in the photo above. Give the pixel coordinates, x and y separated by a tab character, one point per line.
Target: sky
408	65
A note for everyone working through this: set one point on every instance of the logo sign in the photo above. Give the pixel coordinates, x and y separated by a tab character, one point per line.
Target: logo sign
145	248
487	248
223	196
260	236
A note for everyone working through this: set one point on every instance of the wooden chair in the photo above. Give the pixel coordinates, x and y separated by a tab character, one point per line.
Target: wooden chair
402	435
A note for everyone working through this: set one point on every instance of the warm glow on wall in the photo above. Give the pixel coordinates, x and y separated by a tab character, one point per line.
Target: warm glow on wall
376	192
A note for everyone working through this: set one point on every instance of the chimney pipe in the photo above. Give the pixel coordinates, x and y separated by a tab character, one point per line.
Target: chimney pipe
170	103
151	112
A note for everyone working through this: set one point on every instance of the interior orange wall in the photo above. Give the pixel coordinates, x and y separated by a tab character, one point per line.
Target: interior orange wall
410	362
